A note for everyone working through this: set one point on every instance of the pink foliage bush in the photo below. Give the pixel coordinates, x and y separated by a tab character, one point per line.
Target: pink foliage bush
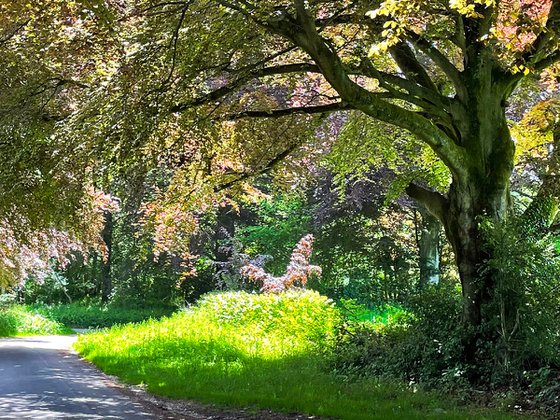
297	273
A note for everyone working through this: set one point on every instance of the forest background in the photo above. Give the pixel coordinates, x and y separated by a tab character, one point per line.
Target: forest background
152	150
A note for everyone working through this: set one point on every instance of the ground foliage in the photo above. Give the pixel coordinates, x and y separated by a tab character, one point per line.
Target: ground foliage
265	351
20	321
423	345
82	315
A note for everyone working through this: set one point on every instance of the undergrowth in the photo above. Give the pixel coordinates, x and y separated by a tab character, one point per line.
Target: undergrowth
20	321
77	315
264	351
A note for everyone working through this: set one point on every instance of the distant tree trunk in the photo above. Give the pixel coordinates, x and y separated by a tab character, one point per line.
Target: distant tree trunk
428	249
107	235
92	273
224	233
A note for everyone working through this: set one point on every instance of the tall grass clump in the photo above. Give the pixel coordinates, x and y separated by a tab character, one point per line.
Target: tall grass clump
246	325
259	350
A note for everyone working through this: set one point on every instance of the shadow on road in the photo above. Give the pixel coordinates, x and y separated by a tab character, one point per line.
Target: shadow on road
40	378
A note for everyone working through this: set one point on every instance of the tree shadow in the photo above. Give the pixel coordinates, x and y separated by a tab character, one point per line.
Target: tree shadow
38	381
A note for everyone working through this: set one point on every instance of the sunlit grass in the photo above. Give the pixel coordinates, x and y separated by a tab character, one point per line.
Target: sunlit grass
19	320
262	351
379	315
78	315
25	320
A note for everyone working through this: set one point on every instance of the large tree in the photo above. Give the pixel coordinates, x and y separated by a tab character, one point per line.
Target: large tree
229	88
442	70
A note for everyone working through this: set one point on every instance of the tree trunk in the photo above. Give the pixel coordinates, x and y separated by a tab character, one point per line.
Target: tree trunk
106	280
469	206
479	192
466	240
224	233
428	249
482	190
479	195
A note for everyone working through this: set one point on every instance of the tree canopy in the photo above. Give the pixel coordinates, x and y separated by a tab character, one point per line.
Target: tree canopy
185	101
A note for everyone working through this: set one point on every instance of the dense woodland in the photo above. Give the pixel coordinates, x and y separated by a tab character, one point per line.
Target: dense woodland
398	157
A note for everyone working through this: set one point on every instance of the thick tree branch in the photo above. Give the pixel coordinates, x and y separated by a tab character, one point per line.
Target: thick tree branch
10	33
433	201
341	19
440	60
266	168
547	61
240	81
391	81
437	104
544	50
550	186
411	67
277	113
173	44
303	33
543	210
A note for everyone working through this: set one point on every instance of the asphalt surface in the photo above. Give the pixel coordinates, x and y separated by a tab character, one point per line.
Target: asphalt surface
40	378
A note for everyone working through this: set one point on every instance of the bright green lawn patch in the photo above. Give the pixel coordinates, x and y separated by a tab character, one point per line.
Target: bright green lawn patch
18	320
264	351
77	315
379	316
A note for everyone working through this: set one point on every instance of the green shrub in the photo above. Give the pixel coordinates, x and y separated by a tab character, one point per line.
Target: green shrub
519	350
52	289
7	300
304	316
8	323
525	304
421	344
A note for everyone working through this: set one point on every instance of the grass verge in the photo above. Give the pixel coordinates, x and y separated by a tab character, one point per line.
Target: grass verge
263	351
77	315
18	320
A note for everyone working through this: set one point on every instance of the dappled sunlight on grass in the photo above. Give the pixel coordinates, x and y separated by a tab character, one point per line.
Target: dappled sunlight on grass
82	315
253	350
20	321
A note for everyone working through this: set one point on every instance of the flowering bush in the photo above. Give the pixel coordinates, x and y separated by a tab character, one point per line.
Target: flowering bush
297	273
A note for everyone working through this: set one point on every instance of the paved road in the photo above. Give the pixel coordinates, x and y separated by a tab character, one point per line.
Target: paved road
41	379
